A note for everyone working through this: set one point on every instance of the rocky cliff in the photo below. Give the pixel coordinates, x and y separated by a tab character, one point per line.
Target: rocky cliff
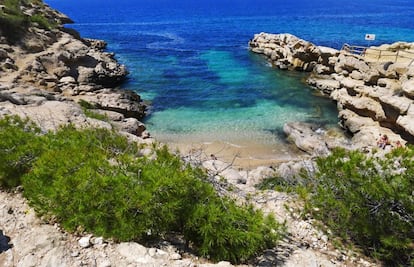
46	71
44	74
374	95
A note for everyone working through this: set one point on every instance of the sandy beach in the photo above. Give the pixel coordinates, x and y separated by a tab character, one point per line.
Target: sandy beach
243	154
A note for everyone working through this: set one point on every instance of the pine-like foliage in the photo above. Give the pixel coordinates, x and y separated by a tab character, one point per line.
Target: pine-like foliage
94	180
369	201
14	22
19	147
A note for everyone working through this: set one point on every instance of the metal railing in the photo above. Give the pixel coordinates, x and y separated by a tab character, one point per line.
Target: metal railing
382	55
354	49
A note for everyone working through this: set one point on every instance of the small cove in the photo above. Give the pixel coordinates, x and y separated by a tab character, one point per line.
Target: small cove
191	62
230	109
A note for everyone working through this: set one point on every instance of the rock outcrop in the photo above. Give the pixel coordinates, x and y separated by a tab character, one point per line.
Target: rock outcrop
373	97
286	51
48	71
46	75
315	140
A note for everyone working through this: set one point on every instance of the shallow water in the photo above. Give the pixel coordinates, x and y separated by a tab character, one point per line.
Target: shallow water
190	60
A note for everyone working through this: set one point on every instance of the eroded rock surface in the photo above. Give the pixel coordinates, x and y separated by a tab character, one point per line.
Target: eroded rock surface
46	73
374	97
49	72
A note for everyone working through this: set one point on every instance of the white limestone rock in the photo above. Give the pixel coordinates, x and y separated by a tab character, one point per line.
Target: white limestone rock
306	137
326	85
350	63
133	252
67	79
353	122
406	122
363	106
408	88
391	84
349	83
401	104
85	241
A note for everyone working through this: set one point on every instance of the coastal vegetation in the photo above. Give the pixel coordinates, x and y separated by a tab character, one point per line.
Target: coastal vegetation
89	111
94	180
13	22
364	200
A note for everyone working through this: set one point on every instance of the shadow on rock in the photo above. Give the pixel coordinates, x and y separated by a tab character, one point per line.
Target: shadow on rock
278	255
4	242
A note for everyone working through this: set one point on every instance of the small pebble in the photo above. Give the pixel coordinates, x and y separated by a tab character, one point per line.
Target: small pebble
75	254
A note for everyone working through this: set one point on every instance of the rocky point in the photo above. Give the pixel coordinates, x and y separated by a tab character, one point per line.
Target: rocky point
49	73
373	94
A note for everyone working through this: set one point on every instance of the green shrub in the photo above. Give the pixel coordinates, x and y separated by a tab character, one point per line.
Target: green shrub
19	147
368	201
14	23
43	22
12	7
88	109
13	26
95	115
94	180
221	230
85	104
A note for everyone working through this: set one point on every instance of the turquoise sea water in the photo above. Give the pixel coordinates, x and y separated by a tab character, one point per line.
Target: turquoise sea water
190	58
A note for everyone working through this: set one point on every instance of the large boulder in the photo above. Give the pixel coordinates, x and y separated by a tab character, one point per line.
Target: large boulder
324	84
125	102
220	169
287	51
130	125
50	115
353	122
362	105
349	83
399	104
406	122
326	53
306	137
391	84
109	73
408	88
347	62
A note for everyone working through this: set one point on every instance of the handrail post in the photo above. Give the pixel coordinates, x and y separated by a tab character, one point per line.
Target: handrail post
364	51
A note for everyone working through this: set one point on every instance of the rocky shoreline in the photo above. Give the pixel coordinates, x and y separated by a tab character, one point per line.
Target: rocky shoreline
46	75
49	77
374	96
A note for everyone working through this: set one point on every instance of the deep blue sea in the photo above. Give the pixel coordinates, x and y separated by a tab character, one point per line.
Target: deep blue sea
190	59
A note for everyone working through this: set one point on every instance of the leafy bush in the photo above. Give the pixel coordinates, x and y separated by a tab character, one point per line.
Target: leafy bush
94	180
85	104
14	23
19	147
43	22
369	200
88	109
366	200
221	230
12	20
